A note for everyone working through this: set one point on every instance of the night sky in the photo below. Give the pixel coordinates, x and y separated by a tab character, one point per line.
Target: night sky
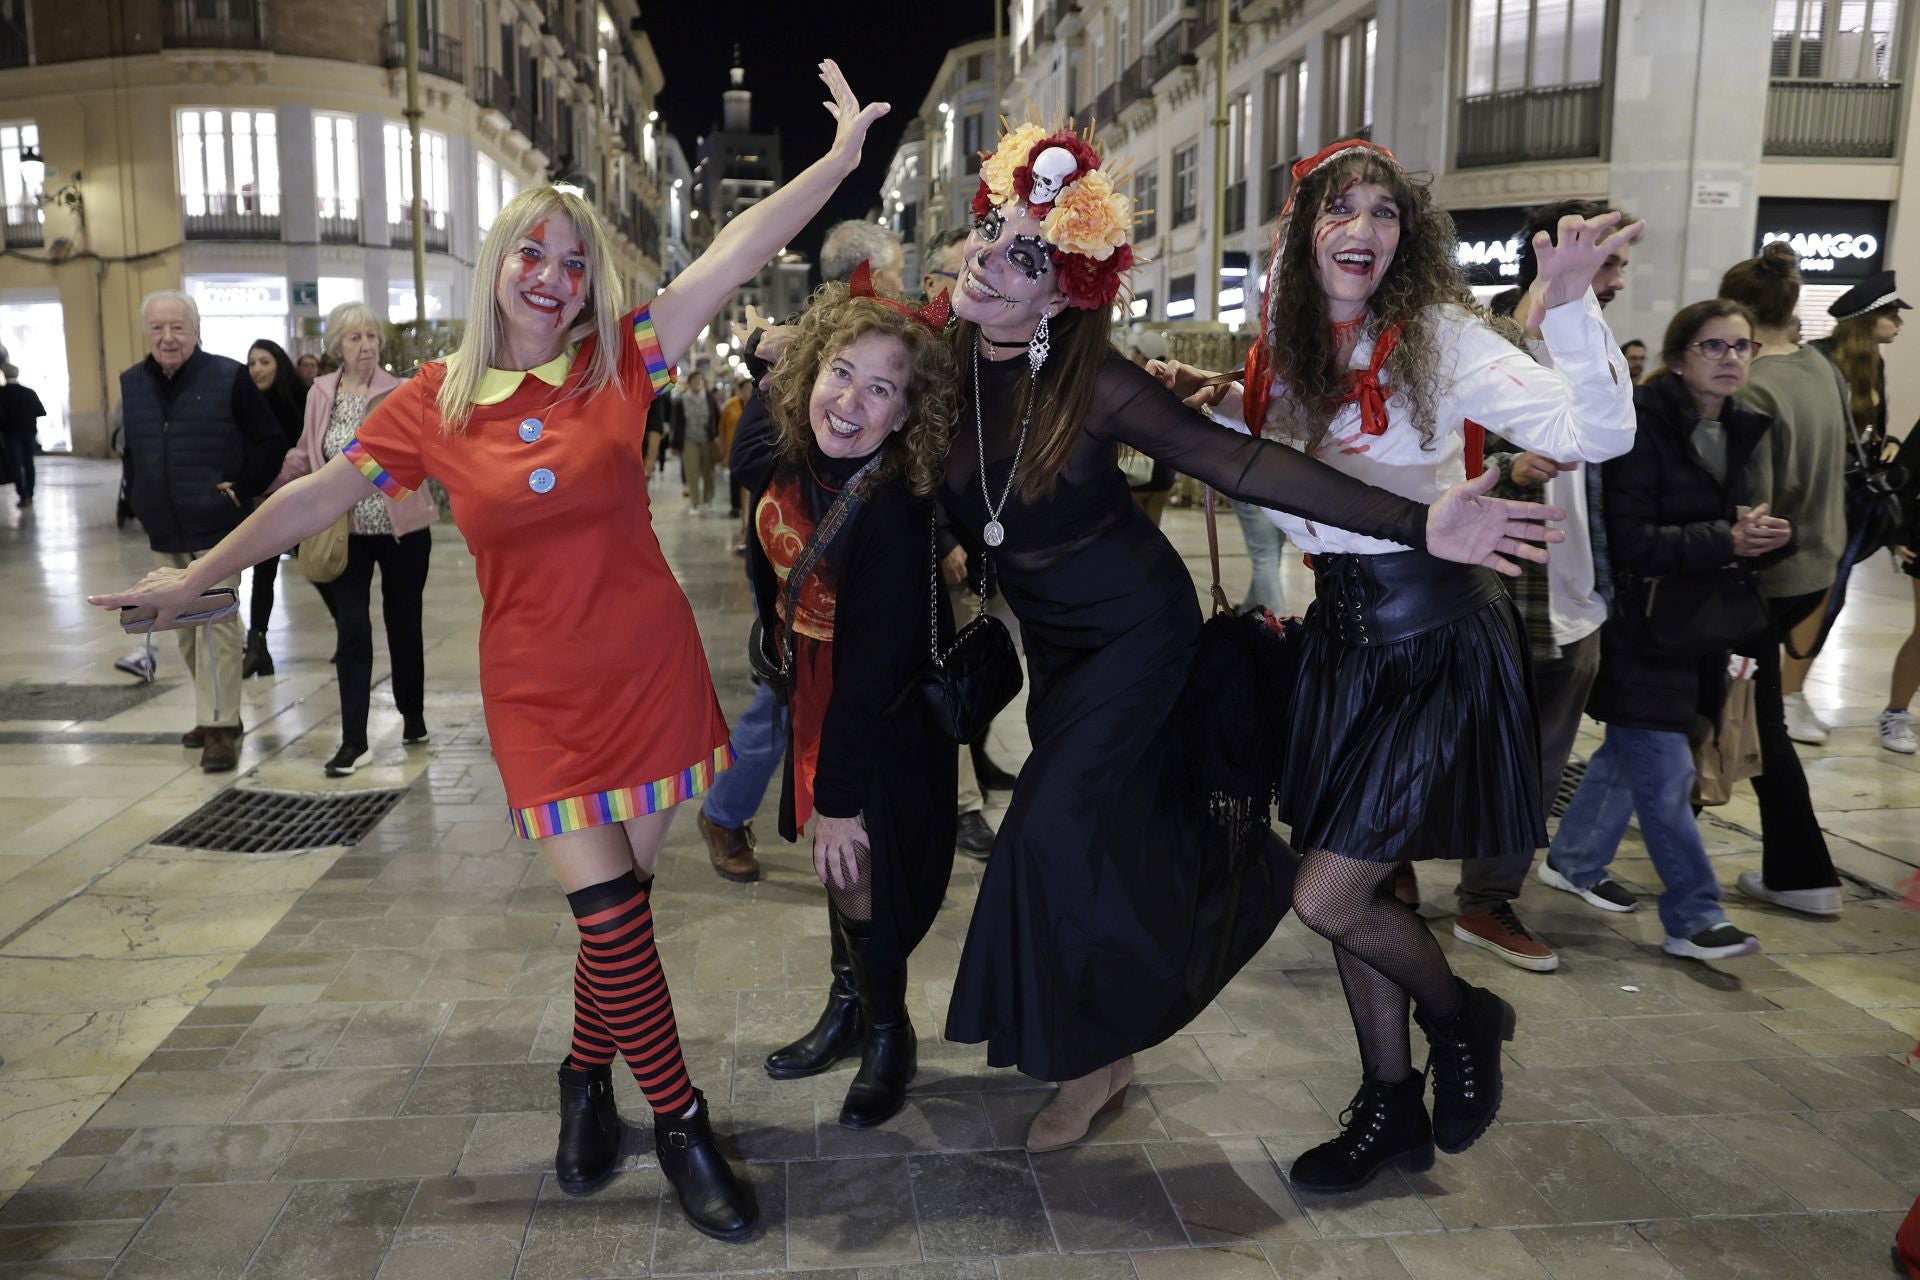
889	49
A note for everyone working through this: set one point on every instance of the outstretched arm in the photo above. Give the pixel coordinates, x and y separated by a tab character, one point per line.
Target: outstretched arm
751	240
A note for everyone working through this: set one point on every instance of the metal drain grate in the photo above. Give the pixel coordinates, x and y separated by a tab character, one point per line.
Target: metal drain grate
247	821
1569	783
74	701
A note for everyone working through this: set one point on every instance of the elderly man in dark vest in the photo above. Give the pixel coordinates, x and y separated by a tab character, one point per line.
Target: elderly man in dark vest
201	445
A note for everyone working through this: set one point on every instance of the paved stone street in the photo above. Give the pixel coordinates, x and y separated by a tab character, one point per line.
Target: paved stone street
340	1063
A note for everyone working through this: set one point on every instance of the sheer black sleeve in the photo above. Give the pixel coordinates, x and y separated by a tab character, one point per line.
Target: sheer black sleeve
1131	408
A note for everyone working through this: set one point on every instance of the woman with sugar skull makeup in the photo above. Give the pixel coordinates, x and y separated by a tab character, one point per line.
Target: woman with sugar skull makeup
1100	929
1413	733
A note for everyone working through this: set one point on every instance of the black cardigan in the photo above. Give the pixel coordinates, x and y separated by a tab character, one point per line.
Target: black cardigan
1666	513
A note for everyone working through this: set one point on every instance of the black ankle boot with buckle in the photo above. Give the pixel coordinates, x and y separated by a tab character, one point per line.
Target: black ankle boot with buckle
841	1028
589	1150
1465	1064
715	1202
889	1053
1384	1124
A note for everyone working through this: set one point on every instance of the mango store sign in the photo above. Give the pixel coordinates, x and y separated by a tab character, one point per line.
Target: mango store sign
1501	257
1826	252
239	295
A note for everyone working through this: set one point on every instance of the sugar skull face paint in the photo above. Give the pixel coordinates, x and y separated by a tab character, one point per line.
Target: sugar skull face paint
1006	275
543	281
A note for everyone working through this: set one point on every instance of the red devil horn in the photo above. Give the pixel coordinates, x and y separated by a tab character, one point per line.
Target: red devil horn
934	315
860	283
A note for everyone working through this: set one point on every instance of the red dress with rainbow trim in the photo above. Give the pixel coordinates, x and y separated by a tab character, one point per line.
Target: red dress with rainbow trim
598	700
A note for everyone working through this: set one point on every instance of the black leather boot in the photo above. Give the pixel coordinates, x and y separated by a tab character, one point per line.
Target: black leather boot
256	661
838	1033
889	1052
1384	1124
589	1150
1465	1063
715	1202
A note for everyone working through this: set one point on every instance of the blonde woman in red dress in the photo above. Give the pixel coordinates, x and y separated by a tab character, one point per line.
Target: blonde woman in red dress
599	706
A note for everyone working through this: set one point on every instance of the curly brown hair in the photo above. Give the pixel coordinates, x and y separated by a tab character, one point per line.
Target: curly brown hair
1856	353
834	319
1423	274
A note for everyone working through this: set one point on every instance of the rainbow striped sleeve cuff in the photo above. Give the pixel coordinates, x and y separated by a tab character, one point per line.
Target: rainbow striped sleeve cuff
649	344
576	813
370	467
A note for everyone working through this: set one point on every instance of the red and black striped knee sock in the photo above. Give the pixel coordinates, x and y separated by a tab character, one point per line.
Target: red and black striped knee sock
620	992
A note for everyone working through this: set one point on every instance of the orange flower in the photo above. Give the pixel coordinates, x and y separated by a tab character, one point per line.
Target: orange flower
1089	218
1014	149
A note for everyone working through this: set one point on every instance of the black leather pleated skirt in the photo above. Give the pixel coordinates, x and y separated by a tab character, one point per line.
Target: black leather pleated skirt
1414	734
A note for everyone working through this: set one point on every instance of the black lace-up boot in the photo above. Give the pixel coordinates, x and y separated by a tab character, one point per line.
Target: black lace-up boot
841	1028
1384	1124
1465	1063
589	1150
888	1052
715	1202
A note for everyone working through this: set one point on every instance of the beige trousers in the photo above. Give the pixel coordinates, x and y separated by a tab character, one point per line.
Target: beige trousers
228	642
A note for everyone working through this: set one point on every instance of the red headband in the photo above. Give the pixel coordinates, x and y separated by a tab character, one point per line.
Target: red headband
933	315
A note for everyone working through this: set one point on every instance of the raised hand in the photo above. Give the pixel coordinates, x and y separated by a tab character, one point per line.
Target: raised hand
1569	259
1468	527
852	119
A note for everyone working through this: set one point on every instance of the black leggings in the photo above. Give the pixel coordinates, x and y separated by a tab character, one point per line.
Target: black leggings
403	579
1793	852
260	609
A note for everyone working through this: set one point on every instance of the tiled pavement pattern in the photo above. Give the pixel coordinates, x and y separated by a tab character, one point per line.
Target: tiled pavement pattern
354	1066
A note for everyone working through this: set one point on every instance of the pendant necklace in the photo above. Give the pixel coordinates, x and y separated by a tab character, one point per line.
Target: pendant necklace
994	534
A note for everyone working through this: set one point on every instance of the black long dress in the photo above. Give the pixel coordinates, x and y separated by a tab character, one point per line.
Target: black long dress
1102	925
872	595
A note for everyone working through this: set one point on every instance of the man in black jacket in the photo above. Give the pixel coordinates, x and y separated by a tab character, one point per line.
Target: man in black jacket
201	445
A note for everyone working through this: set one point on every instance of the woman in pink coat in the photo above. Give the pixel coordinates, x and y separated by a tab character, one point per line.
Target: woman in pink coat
390	535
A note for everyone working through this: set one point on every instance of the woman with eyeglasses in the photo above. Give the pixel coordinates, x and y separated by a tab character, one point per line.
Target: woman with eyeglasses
1676	512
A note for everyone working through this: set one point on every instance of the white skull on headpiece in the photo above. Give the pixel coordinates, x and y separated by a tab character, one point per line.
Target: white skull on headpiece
1052	170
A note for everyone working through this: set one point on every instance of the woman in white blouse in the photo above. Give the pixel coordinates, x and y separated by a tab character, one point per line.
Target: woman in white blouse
1413	730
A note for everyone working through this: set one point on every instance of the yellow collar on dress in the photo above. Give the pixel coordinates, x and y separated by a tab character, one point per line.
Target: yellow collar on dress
497	384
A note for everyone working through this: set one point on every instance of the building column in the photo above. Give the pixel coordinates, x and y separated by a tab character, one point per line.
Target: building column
1689	118
299	212
1903	255
1411	105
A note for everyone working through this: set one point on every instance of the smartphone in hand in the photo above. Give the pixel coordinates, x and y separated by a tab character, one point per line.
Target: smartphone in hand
212	606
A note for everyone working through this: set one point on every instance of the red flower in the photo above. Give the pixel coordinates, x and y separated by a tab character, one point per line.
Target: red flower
1085	159
1089	283
982	201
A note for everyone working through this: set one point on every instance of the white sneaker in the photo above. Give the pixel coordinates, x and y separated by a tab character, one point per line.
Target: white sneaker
140	663
1811	902
1802	724
1896	732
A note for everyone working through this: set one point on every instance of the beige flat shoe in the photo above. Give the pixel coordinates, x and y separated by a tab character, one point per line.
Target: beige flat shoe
1077	1104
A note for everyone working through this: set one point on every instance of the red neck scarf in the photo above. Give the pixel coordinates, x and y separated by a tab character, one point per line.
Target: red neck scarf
1364	385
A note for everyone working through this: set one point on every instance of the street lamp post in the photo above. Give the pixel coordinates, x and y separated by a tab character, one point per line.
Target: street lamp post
1220	142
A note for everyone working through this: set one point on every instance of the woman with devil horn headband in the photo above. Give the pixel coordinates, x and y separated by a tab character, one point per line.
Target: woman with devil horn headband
1412	735
1101	926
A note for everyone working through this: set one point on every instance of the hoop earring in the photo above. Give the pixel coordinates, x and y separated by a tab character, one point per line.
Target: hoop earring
1038	346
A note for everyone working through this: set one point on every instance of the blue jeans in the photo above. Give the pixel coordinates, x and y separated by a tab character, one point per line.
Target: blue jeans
1264	541
1648	772
759	742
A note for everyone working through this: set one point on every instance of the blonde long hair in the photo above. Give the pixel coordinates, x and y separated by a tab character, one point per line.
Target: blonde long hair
606	301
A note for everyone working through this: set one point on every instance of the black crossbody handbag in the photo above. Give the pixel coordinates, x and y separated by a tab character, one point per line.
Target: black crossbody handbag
969	683
773	665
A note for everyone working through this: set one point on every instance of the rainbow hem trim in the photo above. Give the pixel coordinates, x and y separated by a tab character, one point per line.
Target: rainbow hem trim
649	344
577	813
370	467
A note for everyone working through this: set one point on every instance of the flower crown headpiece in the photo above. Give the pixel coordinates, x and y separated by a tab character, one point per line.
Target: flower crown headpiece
1056	173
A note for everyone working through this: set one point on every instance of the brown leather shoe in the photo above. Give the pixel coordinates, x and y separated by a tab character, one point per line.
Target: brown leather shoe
196	737
1501	932
222	752
731	849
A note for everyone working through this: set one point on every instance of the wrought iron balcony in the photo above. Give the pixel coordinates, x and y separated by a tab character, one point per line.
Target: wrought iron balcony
1172	50
25	226
1131	86
400	232
439	55
491	89
339	222
216	24
1565	122
1853	118
230	217
1105	107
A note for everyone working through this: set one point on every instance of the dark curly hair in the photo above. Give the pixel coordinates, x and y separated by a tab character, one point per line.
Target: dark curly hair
833	320
1422	275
